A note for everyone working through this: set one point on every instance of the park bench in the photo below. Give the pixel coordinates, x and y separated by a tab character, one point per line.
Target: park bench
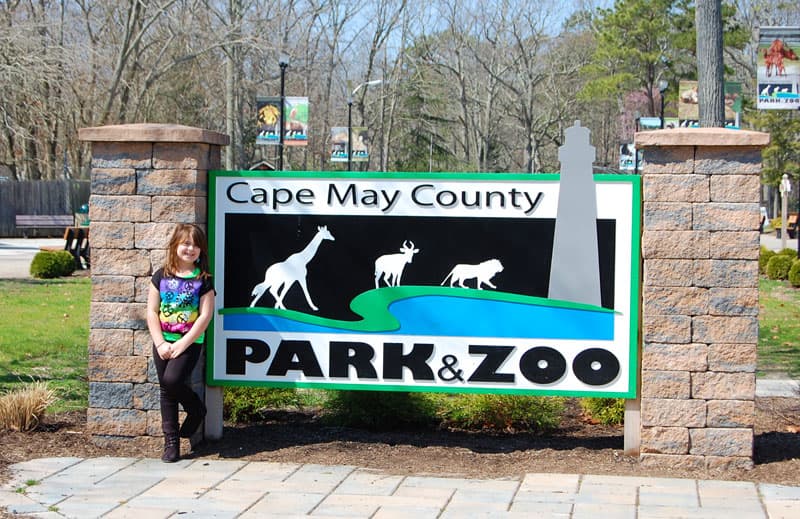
44	221
791	225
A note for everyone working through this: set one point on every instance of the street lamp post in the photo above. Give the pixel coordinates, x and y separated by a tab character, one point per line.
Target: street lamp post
662	87
350	117
283	62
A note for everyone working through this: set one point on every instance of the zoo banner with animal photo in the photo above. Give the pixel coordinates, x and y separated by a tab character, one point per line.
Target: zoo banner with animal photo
407	282
778	68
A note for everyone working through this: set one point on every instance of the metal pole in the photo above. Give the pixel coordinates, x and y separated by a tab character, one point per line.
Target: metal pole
283	64
350	134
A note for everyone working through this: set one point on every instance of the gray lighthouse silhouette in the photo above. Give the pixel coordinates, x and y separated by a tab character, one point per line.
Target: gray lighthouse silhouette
575	267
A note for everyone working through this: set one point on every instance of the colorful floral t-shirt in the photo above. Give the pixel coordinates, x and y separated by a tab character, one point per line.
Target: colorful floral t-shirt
180	302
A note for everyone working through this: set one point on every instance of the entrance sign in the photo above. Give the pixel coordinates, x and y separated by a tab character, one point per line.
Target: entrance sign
412	283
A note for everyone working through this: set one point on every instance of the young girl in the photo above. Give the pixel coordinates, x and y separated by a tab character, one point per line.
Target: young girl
180	304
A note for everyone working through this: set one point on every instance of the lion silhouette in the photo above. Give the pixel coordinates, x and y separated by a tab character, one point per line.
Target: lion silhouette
482	273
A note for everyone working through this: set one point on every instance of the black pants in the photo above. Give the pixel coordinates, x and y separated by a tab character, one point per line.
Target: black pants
172	377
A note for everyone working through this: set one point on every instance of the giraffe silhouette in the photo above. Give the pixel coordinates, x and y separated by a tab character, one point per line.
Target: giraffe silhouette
284	274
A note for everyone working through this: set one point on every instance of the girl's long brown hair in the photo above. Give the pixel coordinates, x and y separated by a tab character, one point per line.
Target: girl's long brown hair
198	237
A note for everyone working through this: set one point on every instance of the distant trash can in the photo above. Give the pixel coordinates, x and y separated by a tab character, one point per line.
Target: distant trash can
82	216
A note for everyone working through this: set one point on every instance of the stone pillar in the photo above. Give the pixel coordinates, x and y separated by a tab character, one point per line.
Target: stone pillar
145	179
700	248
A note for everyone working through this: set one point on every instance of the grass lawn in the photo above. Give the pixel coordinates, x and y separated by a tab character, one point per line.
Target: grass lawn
44	332
779	328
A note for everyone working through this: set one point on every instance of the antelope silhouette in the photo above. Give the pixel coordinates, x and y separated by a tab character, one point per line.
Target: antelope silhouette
280	276
390	266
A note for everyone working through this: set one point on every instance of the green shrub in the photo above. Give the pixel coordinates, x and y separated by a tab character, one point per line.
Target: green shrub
788	252
764	258
794	274
379	410
52	264
502	412
607	411
775	223
246	404
778	266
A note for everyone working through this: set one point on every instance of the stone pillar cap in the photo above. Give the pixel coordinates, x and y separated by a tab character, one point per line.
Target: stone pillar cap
152	132
700	137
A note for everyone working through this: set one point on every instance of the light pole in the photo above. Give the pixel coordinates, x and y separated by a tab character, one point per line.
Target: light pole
663	84
350	117
283	62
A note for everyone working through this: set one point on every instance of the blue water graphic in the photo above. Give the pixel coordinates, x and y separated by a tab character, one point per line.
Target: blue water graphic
457	317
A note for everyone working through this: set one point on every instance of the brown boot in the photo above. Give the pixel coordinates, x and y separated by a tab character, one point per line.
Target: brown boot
172	448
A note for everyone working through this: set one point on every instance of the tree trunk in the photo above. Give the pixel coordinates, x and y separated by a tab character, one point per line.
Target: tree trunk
710	86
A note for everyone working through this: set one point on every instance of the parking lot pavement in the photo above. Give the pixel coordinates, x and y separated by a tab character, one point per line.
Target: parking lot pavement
16	255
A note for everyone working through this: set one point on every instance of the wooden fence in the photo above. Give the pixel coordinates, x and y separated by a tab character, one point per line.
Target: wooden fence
57	197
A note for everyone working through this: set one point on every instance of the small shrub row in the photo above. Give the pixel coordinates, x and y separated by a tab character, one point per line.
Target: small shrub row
378	410
52	264
782	265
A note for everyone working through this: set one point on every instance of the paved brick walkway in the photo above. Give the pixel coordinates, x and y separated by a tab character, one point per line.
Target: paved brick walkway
148	488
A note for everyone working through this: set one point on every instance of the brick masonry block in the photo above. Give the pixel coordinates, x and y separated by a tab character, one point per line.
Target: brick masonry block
112	235
142	343
666	384
668	160
146	397
154	423
675	188
215	157
675	244
668	216
720	216
686	357
110	342
106	368
106	181
735	188
731	413
183	182
116	422
152	376
726	273
729	463
120	262
715	329
668	272
728	160
153	235
112	289
175	209
110	395
672	461
665	412
114	208
721	442
141	288
122	155
733	301
184	155
670	329
665	440
117	316
711	385
157	259
733	357
675	301
735	245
